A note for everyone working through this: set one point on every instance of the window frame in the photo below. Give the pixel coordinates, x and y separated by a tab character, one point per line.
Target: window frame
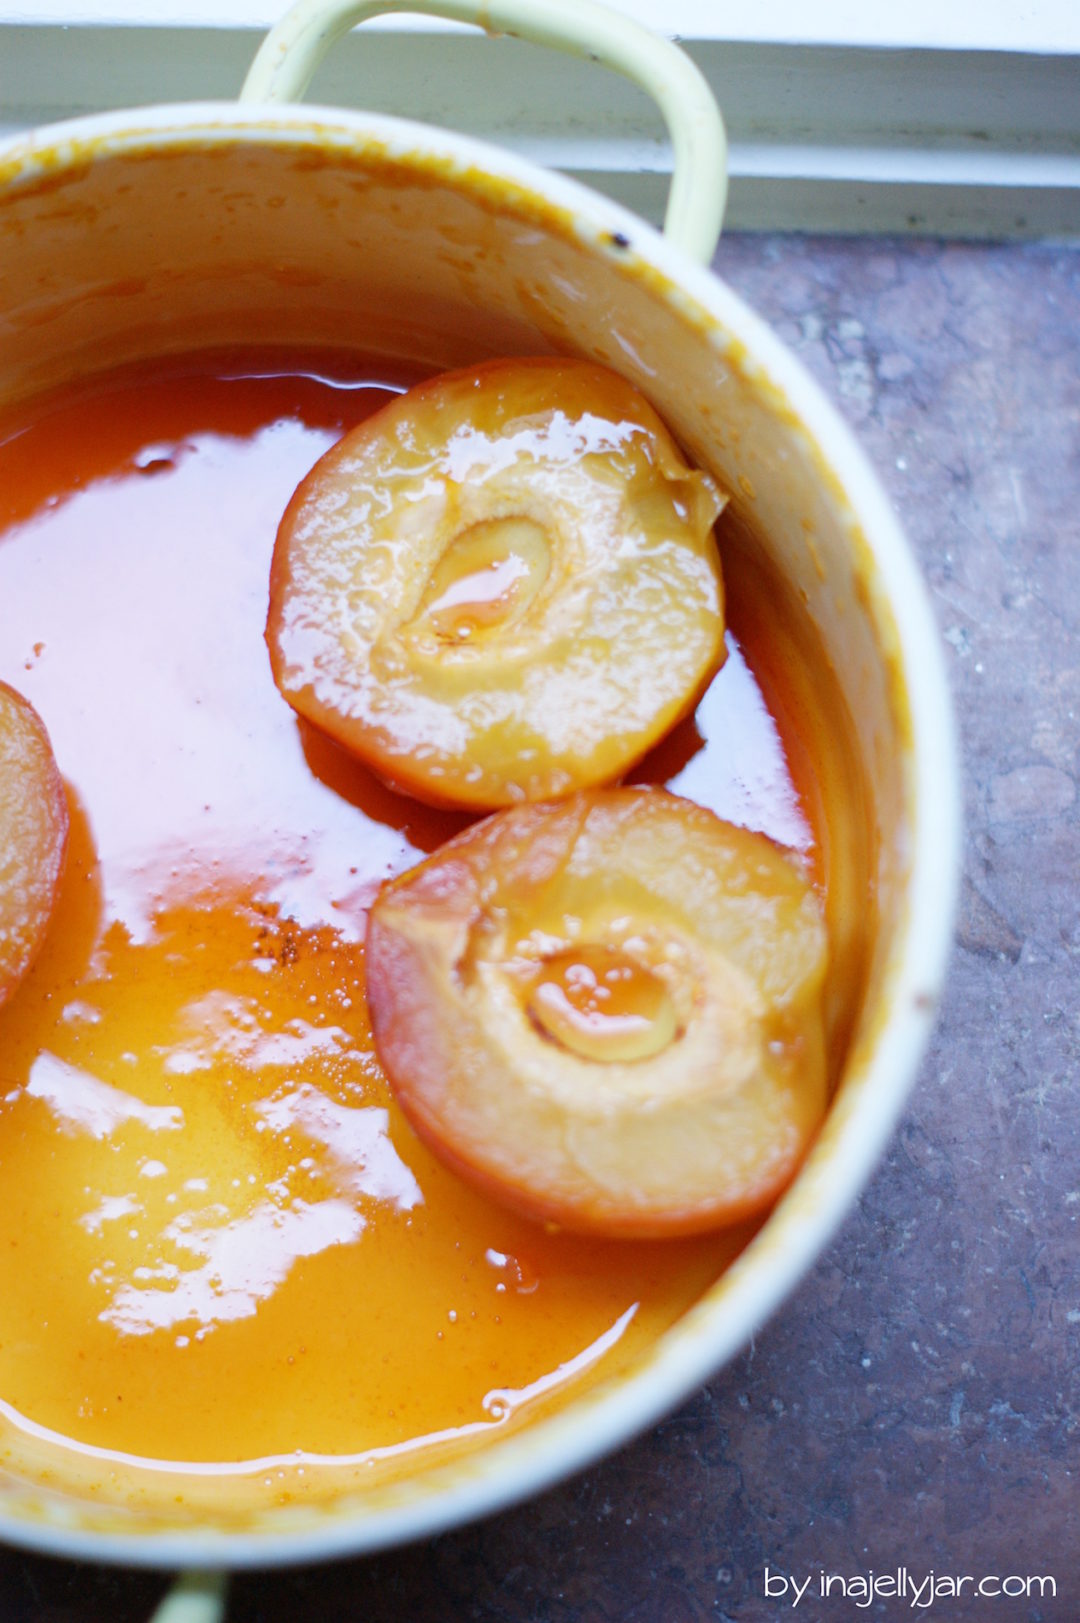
842	117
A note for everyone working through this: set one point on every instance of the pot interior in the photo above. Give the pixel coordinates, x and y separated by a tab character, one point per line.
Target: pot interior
211	231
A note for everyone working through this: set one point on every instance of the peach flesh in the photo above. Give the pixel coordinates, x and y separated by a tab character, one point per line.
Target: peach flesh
602	1005
501	587
683	1101
33	836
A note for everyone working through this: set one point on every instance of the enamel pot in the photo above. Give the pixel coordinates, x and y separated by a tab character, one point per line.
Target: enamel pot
140	234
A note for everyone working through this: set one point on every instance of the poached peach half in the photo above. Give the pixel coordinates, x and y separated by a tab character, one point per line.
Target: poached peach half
33	836
503	586
607	1011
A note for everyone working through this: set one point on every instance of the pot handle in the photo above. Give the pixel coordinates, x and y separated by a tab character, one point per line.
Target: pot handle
195	1597
291	52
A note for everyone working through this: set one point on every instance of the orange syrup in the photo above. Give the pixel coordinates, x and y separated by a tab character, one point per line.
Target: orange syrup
221	1245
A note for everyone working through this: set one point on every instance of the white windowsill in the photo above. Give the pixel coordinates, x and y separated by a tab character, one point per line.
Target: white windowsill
934	116
1047	27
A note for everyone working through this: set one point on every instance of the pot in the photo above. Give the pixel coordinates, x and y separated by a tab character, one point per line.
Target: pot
143	233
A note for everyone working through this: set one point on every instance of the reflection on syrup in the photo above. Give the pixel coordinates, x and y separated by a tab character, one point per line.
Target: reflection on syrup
80	1103
146	587
234	1211
745	777
233	1204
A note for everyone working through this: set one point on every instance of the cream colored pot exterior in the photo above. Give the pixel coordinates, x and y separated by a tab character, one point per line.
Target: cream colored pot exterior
142	234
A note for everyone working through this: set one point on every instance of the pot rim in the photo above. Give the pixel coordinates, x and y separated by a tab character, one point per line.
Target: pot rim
697	1346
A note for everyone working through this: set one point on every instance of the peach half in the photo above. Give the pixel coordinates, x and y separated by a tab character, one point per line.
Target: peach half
33	836
606	1011
503	586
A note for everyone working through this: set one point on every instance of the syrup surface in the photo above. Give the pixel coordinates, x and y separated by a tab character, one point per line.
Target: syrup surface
220	1242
